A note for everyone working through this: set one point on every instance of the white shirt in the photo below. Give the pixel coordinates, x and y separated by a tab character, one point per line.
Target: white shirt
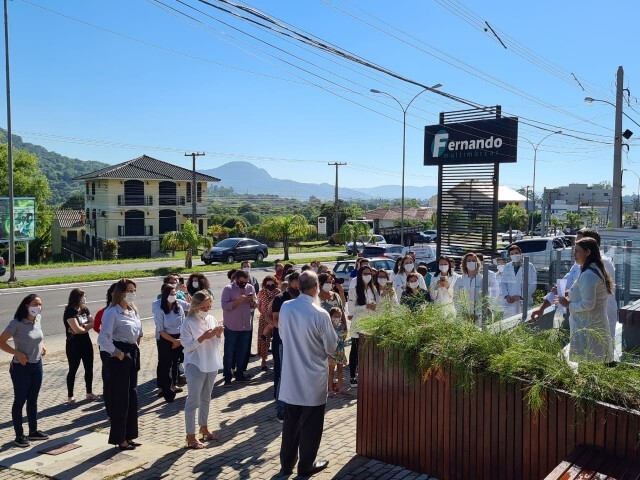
356	311
512	284
308	340
206	355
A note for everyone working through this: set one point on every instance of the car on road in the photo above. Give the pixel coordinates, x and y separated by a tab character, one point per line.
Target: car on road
360	244
388	250
232	250
515	235
426	236
343	268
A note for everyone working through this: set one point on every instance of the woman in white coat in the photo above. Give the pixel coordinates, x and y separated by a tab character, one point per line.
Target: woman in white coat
512	282
468	288
407	266
442	286
590	337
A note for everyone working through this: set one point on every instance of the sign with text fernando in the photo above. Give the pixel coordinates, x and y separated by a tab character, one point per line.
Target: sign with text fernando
478	141
24	219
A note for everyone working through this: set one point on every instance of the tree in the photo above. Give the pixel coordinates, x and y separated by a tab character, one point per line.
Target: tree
74	202
512	216
188	239
285	229
352	232
218	232
592	216
574	220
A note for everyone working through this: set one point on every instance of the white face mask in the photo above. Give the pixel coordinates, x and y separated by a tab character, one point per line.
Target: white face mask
516	257
471	266
130	297
173	285
366	278
336	320
35	311
382	282
202	315
195	284
83	301
171	298
246	269
500	267
315	269
408	267
414	285
444	268
327	287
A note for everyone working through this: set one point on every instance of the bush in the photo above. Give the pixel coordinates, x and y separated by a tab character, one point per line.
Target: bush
110	249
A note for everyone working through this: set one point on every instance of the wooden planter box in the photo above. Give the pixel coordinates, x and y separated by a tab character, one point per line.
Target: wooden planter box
433	427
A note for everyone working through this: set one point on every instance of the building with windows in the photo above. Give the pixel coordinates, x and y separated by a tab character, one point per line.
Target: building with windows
137	201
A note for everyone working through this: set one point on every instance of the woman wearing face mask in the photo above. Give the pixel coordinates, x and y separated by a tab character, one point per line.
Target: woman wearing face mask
168	319
197	282
332	303
78	322
407	266
119	337
267	293
385	290
26	366
200	336
363	300
512	282
442	286
587	299
468	288
413	296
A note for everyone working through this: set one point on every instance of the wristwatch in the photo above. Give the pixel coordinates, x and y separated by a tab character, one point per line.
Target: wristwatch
121	356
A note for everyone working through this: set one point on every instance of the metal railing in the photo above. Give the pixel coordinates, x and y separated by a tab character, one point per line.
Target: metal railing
135	230
135	200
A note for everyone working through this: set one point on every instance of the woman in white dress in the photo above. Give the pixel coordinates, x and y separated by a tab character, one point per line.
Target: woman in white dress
587	303
468	288
442	286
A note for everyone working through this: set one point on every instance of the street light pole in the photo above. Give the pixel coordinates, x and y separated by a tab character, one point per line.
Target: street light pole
535	156
12	226
404	143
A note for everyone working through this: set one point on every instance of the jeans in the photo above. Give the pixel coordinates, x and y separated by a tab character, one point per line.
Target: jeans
235	351
200	388
27	381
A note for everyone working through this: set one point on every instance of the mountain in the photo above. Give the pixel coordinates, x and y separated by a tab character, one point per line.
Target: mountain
58	169
245	178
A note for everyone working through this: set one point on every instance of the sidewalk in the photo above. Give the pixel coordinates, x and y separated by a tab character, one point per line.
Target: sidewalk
242	415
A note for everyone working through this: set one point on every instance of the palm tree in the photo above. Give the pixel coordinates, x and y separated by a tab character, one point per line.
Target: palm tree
187	239
353	232
513	216
285	229
592	215
574	220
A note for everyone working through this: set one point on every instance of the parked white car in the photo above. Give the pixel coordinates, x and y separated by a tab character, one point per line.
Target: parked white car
515	235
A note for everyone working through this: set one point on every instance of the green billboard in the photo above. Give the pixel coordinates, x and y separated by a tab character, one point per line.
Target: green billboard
24	218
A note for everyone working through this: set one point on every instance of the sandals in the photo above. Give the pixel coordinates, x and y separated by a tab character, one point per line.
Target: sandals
92	397
71	401
208	436
194	445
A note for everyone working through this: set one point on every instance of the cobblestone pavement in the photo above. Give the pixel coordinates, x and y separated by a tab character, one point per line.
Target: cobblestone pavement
243	415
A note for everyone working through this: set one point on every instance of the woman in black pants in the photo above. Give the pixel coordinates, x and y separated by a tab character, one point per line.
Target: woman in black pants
77	322
168	318
119	337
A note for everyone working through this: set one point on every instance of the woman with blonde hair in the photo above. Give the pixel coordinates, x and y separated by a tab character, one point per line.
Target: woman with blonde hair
200	336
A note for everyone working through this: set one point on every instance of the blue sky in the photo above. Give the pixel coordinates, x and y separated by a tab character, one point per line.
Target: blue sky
177	84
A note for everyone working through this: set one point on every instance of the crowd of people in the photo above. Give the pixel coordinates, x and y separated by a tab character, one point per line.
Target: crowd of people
306	320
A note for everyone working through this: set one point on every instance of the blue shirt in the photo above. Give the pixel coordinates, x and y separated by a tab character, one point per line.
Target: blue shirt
169	322
118	326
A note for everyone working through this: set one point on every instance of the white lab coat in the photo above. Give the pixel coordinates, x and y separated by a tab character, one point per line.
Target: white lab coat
512	283
442	296
590	333
612	305
400	282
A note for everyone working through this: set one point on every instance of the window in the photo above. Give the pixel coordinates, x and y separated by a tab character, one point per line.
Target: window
188	192
199	192
93	188
86	188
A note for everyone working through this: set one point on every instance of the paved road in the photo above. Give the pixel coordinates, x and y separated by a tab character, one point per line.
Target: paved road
123	267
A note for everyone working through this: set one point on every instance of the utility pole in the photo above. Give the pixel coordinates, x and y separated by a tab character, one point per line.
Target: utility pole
335	205
616	203
193	155
12	226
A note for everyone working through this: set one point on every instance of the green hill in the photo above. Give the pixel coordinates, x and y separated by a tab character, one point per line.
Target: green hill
58	169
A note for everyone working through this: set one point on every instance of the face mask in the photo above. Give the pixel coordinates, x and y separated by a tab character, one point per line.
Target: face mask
382	282
294	291
83	301
315	269
246	269
242	284
471	266
195	284
366	278
500	268
444	268
327	287
35	311
173	285
171	298
202	315
130	297
414	285
516	257
408	267
336	320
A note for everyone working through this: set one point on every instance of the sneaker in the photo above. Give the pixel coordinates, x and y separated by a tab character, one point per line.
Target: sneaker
227	383
21	442
280	417
354	382
37	435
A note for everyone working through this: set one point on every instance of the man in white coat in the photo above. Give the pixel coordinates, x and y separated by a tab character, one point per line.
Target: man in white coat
308	340
512	282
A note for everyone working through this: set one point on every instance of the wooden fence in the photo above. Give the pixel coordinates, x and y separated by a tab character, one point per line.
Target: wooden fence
489	432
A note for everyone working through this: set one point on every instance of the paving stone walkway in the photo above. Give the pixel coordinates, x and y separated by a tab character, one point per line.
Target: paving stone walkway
243	415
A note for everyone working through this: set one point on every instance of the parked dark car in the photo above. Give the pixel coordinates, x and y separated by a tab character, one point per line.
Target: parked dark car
384	250
232	250
426	236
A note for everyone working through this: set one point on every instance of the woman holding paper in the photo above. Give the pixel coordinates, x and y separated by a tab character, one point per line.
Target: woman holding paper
587	303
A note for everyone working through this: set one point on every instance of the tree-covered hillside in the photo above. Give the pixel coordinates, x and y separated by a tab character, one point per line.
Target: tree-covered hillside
58	169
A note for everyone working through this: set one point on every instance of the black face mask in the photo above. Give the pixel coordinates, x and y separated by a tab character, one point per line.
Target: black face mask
294	291
242	285
271	287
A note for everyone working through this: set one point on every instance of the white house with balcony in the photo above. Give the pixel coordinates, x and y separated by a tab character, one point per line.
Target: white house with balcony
137	201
